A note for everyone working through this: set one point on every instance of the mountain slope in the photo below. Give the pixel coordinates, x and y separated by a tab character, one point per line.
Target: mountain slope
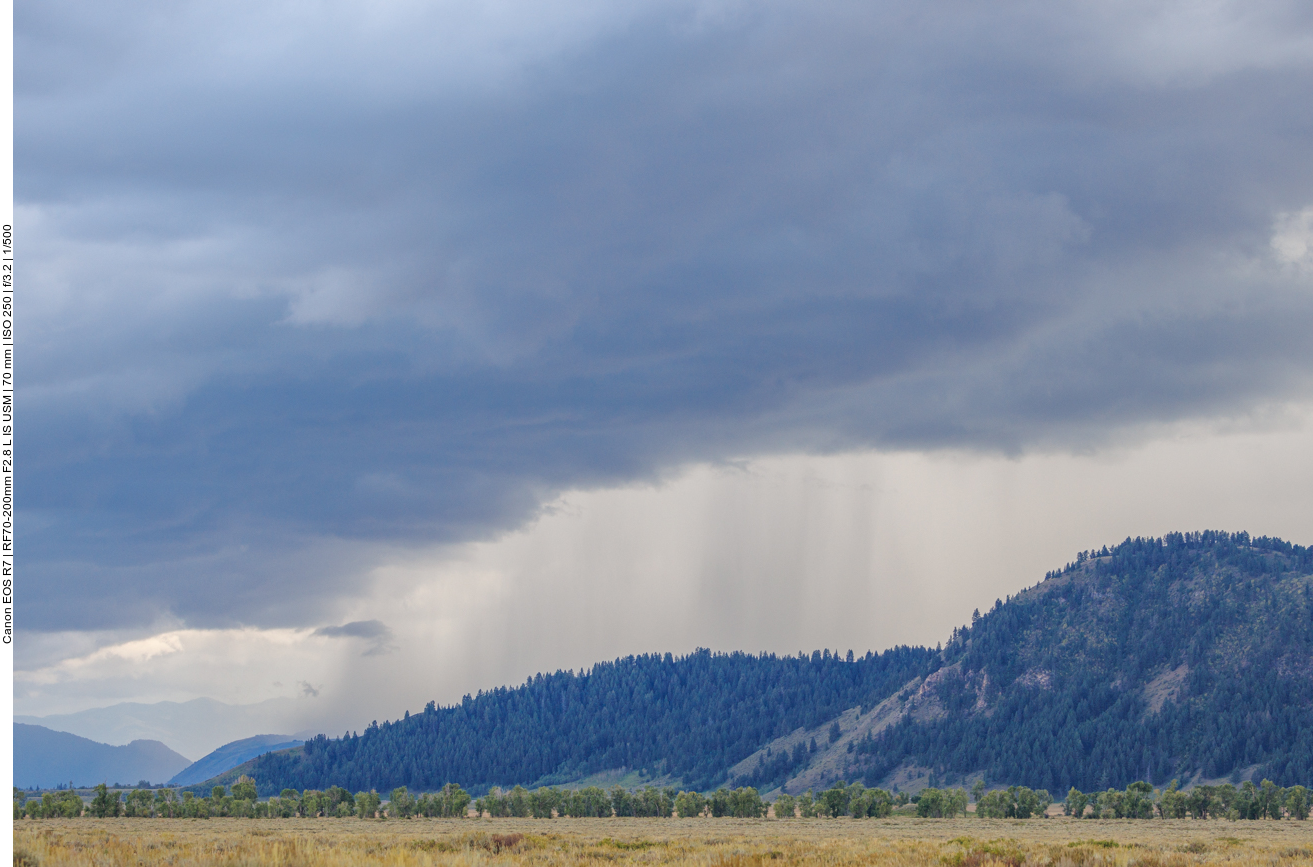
46	758
231	755
1187	656
688	719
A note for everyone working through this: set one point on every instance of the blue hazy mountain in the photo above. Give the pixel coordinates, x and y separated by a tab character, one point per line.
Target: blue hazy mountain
46	758
230	756
193	728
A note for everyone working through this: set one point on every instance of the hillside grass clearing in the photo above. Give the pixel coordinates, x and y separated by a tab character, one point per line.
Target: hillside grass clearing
904	842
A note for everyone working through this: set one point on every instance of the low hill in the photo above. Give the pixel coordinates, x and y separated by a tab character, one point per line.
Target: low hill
45	758
685	720
231	755
1187	656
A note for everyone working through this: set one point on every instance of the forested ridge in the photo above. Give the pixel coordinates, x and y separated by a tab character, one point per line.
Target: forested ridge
688	718
1056	687
1189	656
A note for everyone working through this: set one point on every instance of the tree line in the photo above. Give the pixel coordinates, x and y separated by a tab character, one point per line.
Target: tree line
593	801
241	801
1138	800
452	801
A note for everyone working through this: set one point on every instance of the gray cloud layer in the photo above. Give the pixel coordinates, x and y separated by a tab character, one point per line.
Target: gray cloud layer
298	273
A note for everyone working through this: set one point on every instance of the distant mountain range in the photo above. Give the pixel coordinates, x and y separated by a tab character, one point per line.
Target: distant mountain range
1188	656
195	728
45	758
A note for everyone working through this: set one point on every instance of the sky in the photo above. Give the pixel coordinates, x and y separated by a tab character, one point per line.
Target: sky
374	353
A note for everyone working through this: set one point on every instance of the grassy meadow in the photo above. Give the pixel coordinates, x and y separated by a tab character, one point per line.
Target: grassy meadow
615	842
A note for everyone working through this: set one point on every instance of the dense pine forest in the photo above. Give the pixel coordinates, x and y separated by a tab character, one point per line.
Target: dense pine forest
1189	656
686	718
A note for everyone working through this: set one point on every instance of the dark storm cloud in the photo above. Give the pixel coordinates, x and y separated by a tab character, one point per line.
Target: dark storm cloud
356	629
375	631
309	272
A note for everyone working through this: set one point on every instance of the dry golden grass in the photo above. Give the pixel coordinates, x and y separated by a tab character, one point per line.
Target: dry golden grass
899	842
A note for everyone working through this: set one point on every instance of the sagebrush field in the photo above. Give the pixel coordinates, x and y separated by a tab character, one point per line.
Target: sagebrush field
702	842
